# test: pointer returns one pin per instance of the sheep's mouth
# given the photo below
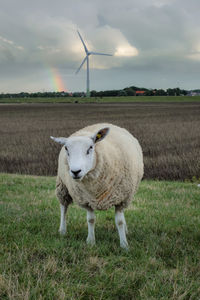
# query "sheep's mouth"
(77, 177)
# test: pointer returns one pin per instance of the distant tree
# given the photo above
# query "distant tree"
(134, 88)
(184, 92)
(129, 91)
(149, 93)
(93, 93)
(122, 93)
(177, 92)
(171, 92)
(160, 92)
(78, 94)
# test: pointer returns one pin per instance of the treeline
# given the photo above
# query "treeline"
(35, 95)
(136, 91)
(129, 91)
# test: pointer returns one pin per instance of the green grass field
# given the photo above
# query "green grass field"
(36, 263)
(103, 100)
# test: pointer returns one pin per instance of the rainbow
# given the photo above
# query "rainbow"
(56, 81)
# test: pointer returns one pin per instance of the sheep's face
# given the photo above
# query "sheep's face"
(80, 156)
(80, 152)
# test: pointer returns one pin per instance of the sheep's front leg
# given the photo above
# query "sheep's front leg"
(122, 228)
(62, 228)
(65, 199)
(91, 224)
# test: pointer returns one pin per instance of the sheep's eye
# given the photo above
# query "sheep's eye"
(88, 151)
(67, 150)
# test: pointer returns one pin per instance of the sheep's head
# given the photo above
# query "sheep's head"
(80, 152)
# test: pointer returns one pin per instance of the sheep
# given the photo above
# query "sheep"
(99, 166)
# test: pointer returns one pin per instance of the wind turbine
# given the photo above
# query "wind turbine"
(88, 53)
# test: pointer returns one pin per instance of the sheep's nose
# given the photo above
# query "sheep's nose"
(75, 173)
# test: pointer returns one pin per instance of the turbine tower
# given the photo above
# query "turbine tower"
(88, 53)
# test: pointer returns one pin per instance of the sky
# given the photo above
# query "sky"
(154, 43)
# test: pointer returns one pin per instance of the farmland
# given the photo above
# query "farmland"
(168, 132)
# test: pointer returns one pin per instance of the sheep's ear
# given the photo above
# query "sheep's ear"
(100, 135)
(60, 140)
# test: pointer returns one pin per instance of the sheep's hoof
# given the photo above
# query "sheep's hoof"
(90, 241)
(62, 232)
(124, 245)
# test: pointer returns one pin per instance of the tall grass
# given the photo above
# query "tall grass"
(168, 132)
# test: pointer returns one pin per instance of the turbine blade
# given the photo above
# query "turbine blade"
(81, 64)
(96, 53)
(84, 45)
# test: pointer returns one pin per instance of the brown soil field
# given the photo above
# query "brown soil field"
(169, 134)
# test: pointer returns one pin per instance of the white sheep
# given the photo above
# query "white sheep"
(97, 173)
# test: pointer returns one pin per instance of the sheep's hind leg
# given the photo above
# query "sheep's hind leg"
(122, 227)
(91, 224)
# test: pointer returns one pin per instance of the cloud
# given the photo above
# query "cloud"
(126, 51)
(9, 51)
(6, 41)
(160, 3)
(11, 43)
(194, 53)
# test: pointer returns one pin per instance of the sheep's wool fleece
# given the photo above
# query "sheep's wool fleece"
(116, 175)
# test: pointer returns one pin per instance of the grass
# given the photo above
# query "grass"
(168, 133)
(36, 263)
(101, 100)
